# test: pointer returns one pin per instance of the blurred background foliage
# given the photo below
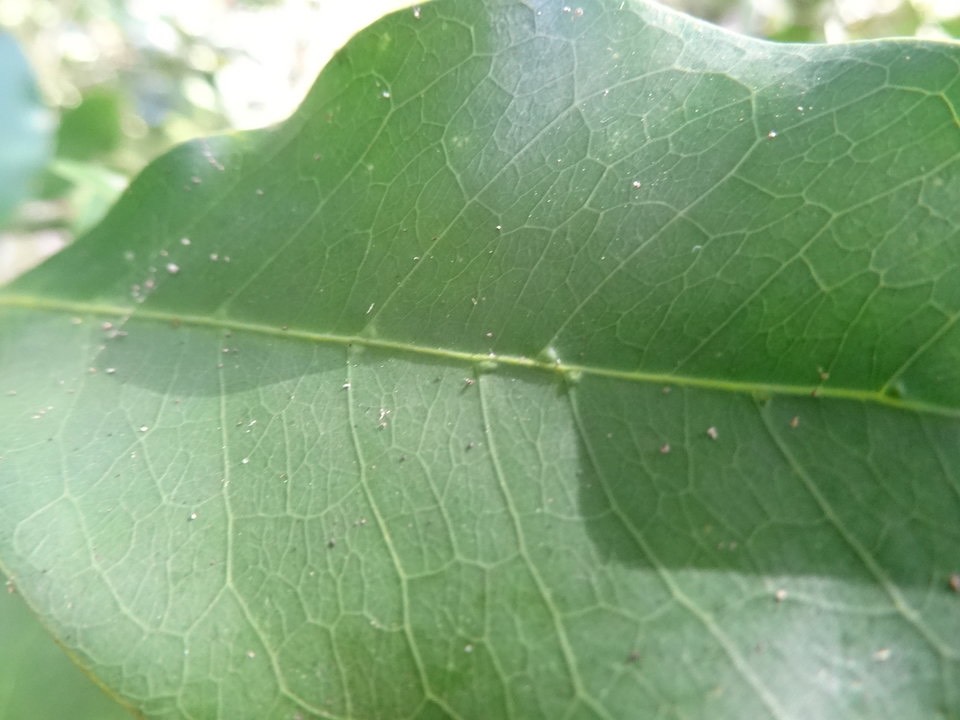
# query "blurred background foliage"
(116, 82)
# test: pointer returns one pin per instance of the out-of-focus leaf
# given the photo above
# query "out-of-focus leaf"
(92, 129)
(93, 190)
(37, 680)
(25, 127)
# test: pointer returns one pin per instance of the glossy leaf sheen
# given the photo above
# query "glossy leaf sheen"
(550, 362)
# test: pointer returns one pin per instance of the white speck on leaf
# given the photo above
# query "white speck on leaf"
(780, 595)
(772, 134)
(712, 433)
(173, 268)
(636, 184)
(882, 655)
(184, 241)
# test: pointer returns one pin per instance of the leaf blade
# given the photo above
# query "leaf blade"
(434, 367)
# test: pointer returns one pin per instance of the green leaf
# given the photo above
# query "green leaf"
(25, 127)
(549, 362)
(36, 678)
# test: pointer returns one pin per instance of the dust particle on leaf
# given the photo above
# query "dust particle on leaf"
(712, 433)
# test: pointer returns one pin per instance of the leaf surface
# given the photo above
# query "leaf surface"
(550, 361)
